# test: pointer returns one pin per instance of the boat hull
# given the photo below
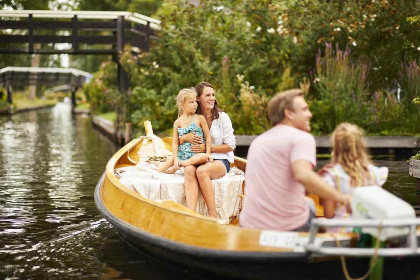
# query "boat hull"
(246, 265)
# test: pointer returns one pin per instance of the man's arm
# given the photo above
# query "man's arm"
(313, 183)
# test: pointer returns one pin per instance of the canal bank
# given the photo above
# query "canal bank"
(378, 145)
(11, 110)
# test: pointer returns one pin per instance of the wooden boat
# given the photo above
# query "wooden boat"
(181, 237)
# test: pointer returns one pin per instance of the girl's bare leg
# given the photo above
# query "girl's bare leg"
(166, 165)
(191, 187)
(206, 173)
(195, 160)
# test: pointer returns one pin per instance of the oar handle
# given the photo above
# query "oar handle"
(148, 128)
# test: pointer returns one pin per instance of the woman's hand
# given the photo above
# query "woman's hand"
(198, 148)
(191, 137)
(209, 158)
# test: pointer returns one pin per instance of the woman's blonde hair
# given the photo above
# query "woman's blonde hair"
(183, 94)
(350, 152)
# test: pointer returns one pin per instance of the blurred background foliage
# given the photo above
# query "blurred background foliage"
(358, 60)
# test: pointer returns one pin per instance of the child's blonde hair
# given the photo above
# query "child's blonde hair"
(351, 153)
(183, 94)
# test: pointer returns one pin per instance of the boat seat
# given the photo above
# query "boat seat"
(149, 183)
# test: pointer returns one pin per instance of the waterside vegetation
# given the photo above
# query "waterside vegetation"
(357, 60)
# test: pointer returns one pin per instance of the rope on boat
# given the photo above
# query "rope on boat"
(372, 263)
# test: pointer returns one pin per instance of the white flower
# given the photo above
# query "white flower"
(251, 87)
(354, 43)
(337, 29)
(280, 22)
(258, 29)
(317, 80)
(418, 48)
(295, 40)
(155, 65)
(240, 77)
(248, 24)
(271, 31)
(219, 8)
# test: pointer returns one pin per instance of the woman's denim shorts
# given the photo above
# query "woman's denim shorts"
(226, 163)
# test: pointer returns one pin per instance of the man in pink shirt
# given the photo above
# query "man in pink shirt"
(280, 169)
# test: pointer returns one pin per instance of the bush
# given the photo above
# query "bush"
(101, 91)
(272, 46)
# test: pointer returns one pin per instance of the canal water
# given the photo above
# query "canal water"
(50, 162)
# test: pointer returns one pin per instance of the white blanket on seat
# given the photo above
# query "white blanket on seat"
(146, 180)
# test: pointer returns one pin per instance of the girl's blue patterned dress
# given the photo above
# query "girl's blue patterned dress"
(184, 150)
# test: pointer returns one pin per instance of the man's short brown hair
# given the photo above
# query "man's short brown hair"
(281, 102)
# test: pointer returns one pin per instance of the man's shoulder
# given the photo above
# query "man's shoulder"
(289, 132)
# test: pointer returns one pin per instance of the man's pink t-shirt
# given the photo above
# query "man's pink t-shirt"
(274, 199)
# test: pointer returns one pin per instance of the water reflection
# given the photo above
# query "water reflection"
(46, 193)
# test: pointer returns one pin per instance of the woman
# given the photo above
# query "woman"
(223, 144)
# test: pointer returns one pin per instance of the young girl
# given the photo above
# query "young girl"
(351, 168)
(188, 121)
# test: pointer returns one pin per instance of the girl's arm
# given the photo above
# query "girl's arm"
(175, 145)
(207, 135)
(329, 205)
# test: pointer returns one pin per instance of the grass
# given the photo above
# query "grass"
(111, 116)
(83, 106)
(20, 101)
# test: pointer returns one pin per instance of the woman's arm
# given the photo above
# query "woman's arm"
(191, 137)
(221, 149)
(228, 138)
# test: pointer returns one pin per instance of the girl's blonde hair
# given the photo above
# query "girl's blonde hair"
(183, 94)
(350, 152)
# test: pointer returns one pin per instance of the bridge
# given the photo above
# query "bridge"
(83, 32)
(71, 78)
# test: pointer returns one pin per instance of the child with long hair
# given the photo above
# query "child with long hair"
(188, 121)
(351, 168)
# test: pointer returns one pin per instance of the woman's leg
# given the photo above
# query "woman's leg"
(206, 173)
(191, 186)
